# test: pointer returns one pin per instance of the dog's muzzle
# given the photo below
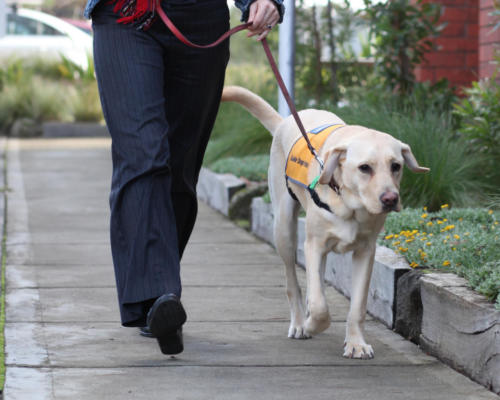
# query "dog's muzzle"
(389, 201)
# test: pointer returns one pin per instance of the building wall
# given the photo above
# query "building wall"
(489, 40)
(457, 54)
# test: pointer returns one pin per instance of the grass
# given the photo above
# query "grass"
(463, 241)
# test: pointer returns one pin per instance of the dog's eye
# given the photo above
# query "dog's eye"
(365, 168)
(395, 167)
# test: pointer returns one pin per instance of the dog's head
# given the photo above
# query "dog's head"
(368, 168)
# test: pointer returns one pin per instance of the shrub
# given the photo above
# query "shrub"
(463, 241)
(453, 175)
(479, 124)
(86, 105)
(34, 99)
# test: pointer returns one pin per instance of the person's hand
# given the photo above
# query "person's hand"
(263, 15)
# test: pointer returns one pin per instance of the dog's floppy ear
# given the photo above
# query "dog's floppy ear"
(410, 159)
(332, 158)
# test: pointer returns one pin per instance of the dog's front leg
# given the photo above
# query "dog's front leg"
(362, 266)
(318, 318)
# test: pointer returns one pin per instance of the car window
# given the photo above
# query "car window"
(18, 25)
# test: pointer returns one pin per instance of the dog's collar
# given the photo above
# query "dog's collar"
(333, 185)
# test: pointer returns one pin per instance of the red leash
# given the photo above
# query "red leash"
(178, 34)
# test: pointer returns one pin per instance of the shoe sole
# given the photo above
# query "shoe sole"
(165, 321)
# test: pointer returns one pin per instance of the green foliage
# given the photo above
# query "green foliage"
(253, 168)
(236, 133)
(463, 241)
(402, 32)
(31, 98)
(479, 124)
(85, 104)
(46, 90)
(453, 176)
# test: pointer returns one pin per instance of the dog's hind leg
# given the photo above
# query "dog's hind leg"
(285, 237)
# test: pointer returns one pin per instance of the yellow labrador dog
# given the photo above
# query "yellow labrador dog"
(345, 210)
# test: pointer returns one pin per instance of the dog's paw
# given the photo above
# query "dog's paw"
(297, 332)
(355, 350)
(317, 325)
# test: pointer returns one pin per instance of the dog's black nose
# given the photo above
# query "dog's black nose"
(389, 200)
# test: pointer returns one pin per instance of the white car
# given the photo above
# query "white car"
(31, 33)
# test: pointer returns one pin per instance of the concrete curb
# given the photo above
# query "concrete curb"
(216, 190)
(461, 327)
(73, 129)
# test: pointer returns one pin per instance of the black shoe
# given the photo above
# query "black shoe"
(165, 320)
(144, 331)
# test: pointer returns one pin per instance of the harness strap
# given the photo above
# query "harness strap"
(314, 196)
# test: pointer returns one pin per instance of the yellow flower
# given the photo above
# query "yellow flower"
(445, 241)
(456, 237)
(429, 223)
(403, 249)
(424, 215)
(495, 223)
(396, 236)
(446, 263)
(460, 219)
(397, 242)
(431, 234)
(425, 208)
(413, 264)
(409, 240)
(445, 219)
(466, 233)
(445, 206)
(448, 237)
(490, 212)
(449, 227)
(428, 244)
(389, 236)
(439, 222)
(454, 249)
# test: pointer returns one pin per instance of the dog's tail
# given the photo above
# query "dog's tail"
(255, 104)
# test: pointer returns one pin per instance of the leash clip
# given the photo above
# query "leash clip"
(319, 160)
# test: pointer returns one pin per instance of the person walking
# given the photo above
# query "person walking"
(160, 99)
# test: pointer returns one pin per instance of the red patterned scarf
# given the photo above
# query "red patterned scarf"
(138, 12)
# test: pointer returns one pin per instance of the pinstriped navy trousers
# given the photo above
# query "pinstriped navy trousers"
(159, 99)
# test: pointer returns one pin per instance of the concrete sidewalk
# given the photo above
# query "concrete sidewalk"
(64, 339)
